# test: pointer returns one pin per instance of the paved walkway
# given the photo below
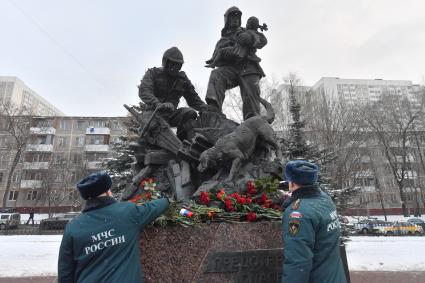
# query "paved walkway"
(356, 277)
(387, 276)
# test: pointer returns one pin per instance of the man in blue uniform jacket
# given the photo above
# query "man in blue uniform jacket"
(102, 244)
(310, 229)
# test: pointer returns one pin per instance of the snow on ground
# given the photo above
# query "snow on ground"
(29, 255)
(23, 256)
(386, 253)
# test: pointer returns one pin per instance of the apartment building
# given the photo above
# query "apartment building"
(363, 90)
(378, 188)
(15, 92)
(60, 151)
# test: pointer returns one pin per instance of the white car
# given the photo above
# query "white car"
(9, 220)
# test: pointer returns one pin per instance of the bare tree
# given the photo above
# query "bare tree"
(232, 105)
(334, 129)
(17, 125)
(55, 184)
(392, 124)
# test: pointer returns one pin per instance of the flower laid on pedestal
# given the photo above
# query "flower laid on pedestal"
(260, 201)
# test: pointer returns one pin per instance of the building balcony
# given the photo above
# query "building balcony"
(40, 147)
(92, 165)
(96, 147)
(98, 131)
(31, 184)
(42, 131)
(36, 165)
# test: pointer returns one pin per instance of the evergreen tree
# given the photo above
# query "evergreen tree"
(119, 166)
(296, 145)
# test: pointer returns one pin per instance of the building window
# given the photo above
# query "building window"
(63, 124)
(40, 157)
(1, 177)
(4, 142)
(76, 158)
(4, 160)
(79, 141)
(97, 124)
(116, 126)
(13, 195)
(33, 175)
(45, 123)
(61, 141)
(15, 177)
(81, 125)
(58, 159)
(32, 195)
(93, 139)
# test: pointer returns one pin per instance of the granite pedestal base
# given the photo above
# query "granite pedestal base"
(218, 252)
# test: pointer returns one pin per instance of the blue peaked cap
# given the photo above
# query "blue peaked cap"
(94, 184)
(301, 172)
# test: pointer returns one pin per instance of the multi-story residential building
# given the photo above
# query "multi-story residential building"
(14, 92)
(363, 90)
(378, 188)
(60, 151)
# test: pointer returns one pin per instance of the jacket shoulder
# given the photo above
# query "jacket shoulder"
(153, 71)
(183, 76)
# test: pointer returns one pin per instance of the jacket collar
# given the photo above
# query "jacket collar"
(307, 191)
(98, 202)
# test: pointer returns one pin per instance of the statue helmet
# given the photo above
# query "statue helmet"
(172, 54)
(231, 10)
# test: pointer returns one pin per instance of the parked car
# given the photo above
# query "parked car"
(57, 222)
(402, 228)
(9, 220)
(417, 221)
(370, 226)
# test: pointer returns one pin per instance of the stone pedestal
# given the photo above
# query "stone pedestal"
(219, 252)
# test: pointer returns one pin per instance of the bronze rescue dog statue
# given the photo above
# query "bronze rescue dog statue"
(239, 145)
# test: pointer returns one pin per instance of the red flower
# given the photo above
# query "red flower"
(204, 198)
(250, 188)
(266, 201)
(149, 195)
(228, 204)
(235, 195)
(142, 184)
(251, 216)
(135, 198)
(264, 198)
(248, 200)
(221, 194)
(241, 200)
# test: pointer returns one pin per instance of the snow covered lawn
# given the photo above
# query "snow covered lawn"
(29, 255)
(386, 253)
(22, 256)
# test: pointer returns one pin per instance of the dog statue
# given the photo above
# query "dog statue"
(239, 145)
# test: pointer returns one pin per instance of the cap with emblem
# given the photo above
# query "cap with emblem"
(94, 184)
(301, 172)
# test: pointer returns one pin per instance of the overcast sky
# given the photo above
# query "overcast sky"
(87, 56)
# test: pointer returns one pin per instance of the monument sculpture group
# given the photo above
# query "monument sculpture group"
(207, 150)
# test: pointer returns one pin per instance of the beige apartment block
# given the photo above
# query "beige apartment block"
(60, 152)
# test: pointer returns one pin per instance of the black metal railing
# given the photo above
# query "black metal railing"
(31, 228)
